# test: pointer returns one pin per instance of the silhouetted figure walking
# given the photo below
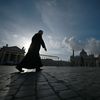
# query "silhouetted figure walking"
(32, 59)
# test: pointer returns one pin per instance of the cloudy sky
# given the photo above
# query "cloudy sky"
(67, 25)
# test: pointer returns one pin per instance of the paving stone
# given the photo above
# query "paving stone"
(43, 86)
(76, 98)
(8, 98)
(13, 87)
(67, 94)
(86, 95)
(3, 93)
(42, 83)
(11, 92)
(2, 97)
(26, 98)
(51, 97)
(27, 88)
(41, 80)
(60, 87)
(93, 92)
(52, 80)
(25, 93)
(98, 98)
(45, 93)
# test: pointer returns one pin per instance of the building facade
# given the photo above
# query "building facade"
(11, 55)
(83, 59)
(98, 61)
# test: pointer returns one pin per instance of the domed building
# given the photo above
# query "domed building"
(83, 53)
(83, 59)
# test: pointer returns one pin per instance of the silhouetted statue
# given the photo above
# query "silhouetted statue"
(32, 59)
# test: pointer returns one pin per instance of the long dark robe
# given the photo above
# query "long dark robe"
(32, 58)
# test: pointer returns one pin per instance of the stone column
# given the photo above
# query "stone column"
(9, 55)
(3, 57)
(16, 59)
(20, 57)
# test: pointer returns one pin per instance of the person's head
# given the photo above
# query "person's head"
(40, 32)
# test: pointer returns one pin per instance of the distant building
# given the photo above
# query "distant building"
(11, 55)
(50, 62)
(83, 59)
(98, 61)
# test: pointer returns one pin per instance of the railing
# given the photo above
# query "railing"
(43, 56)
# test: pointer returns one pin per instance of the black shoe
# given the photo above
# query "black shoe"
(19, 69)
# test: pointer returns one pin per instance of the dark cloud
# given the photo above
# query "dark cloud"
(92, 45)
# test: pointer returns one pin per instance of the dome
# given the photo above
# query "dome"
(83, 53)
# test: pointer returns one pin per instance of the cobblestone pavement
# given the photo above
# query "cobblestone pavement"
(52, 83)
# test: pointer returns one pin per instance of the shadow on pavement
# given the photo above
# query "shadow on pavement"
(23, 86)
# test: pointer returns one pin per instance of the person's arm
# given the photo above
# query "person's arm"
(43, 45)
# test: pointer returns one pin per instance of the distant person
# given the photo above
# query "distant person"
(32, 59)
